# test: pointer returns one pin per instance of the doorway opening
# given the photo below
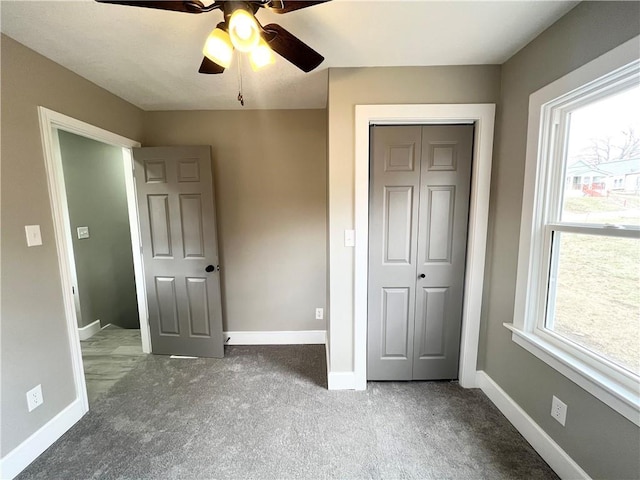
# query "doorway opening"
(82, 272)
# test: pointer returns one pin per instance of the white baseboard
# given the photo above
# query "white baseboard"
(25, 453)
(302, 337)
(549, 450)
(328, 354)
(341, 381)
(89, 331)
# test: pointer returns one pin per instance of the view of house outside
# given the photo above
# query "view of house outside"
(597, 296)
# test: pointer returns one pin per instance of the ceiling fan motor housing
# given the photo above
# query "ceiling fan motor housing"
(232, 6)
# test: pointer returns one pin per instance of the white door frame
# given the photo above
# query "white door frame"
(482, 116)
(50, 123)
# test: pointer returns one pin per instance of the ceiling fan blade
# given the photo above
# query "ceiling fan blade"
(210, 67)
(188, 6)
(286, 6)
(291, 48)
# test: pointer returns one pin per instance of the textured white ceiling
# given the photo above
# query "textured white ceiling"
(151, 57)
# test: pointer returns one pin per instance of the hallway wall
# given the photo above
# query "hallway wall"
(97, 199)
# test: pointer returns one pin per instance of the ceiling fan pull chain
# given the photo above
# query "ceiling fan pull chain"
(240, 96)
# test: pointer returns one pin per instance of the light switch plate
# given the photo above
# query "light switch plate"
(83, 232)
(349, 238)
(34, 238)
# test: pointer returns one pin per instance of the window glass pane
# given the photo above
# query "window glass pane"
(594, 295)
(602, 175)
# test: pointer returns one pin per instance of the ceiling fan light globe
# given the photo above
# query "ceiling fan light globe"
(261, 56)
(218, 48)
(244, 30)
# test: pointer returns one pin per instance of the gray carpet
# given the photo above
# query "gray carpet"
(264, 412)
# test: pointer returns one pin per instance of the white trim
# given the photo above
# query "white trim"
(136, 248)
(292, 337)
(630, 231)
(57, 198)
(548, 449)
(50, 123)
(89, 331)
(326, 351)
(482, 115)
(338, 380)
(341, 380)
(25, 453)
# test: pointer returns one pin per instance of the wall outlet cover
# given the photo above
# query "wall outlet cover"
(559, 410)
(34, 397)
(319, 313)
(83, 232)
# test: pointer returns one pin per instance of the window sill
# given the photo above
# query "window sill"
(622, 399)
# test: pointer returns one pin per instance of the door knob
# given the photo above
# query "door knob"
(209, 268)
(422, 275)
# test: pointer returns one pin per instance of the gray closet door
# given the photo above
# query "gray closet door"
(442, 243)
(419, 202)
(174, 188)
(394, 198)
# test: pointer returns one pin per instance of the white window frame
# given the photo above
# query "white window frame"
(549, 108)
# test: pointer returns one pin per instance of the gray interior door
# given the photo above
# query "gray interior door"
(174, 188)
(419, 206)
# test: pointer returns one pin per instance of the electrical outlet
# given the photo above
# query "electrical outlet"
(34, 397)
(559, 410)
(319, 313)
(83, 232)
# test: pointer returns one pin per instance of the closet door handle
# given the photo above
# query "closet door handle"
(422, 275)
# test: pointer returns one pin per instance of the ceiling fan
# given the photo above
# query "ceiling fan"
(241, 31)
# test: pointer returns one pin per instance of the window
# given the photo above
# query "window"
(578, 284)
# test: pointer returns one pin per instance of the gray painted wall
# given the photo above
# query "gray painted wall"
(604, 444)
(97, 198)
(269, 172)
(361, 86)
(34, 346)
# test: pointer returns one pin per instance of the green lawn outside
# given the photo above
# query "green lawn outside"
(598, 288)
(616, 208)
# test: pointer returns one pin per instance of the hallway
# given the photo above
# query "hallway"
(107, 357)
